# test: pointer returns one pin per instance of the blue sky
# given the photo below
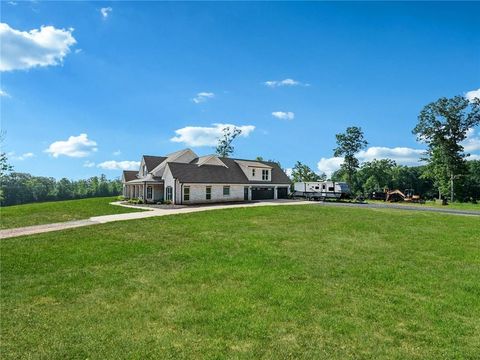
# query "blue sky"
(88, 87)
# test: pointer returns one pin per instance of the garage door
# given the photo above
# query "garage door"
(282, 192)
(262, 193)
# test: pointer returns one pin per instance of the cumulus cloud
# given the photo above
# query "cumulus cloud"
(473, 157)
(119, 165)
(76, 146)
(401, 155)
(4, 93)
(21, 157)
(206, 135)
(284, 82)
(106, 11)
(470, 95)
(202, 97)
(38, 47)
(283, 115)
(88, 164)
(472, 142)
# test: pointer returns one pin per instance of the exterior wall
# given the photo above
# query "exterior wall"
(258, 173)
(168, 180)
(198, 193)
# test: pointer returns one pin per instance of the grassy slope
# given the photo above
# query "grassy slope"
(273, 282)
(57, 211)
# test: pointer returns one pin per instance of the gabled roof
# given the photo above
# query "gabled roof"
(129, 175)
(231, 174)
(152, 161)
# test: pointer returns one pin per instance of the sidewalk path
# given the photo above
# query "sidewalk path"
(153, 212)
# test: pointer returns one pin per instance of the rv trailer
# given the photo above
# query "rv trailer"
(322, 190)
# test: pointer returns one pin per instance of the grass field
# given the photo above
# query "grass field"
(58, 211)
(268, 282)
(435, 204)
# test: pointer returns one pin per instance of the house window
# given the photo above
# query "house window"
(253, 172)
(186, 193)
(265, 175)
(169, 193)
(149, 192)
(208, 192)
(226, 191)
(144, 170)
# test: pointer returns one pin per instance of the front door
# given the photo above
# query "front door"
(245, 193)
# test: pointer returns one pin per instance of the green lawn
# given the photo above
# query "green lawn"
(268, 282)
(57, 211)
(435, 204)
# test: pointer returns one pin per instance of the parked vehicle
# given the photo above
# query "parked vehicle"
(321, 190)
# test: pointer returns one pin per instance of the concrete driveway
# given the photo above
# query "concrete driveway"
(153, 212)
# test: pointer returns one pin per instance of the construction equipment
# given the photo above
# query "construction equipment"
(408, 196)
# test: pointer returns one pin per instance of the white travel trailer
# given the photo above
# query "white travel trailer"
(321, 190)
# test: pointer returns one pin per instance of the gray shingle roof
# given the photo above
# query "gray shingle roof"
(129, 175)
(152, 161)
(192, 173)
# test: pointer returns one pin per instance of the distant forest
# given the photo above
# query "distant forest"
(21, 188)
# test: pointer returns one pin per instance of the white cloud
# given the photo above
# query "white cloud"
(285, 82)
(401, 155)
(205, 135)
(4, 93)
(105, 11)
(24, 156)
(28, 49)
(76, 146)
(88, 164)
(289, 172)
(116, 153)
(473, 157)
(282, 115)
(119, 165)
(202, 97)
(472, 142)
(329, 165)
(470, 95)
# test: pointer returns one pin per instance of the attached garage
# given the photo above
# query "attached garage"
(282, 192)
(262, 193)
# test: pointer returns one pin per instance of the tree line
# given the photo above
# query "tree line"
(21, 188)
(442, 126)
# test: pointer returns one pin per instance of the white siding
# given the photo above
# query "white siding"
(198, 193)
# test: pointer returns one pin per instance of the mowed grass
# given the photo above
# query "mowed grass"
(299, 282)
(58, 211)
(435, 204)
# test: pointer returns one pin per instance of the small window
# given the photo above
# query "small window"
(331, 188)
(149, 192)
(253, 172)
(186, 193)
(168, 193)
(265, 175)
(323, 187)
(226, 191)
(317, 187)
(208, 193)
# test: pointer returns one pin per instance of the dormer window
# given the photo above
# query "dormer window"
(253, 172)
(265, 175)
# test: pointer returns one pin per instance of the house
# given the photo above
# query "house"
(185, 178)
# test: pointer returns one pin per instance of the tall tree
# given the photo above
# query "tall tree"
(302, 173)
(225, 147)
(348, 144)
(443, 125)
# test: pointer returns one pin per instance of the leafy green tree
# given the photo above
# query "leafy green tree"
(348, 144)
(302, 173)
(443, 125)
(225, 147)
(375, 175)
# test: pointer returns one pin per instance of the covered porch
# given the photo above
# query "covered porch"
(148, 189)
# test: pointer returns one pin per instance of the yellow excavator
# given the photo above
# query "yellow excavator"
(408, 196)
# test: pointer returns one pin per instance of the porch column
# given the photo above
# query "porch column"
(275, 195)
